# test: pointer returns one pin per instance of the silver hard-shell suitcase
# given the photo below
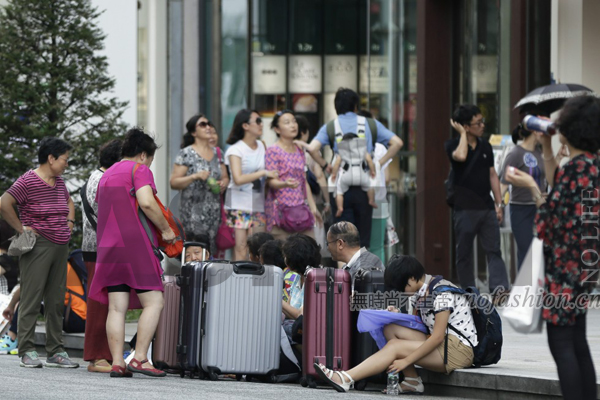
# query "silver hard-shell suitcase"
(241, 319)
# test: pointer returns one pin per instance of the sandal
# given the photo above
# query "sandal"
(415, 389)
(101, 365)
(138, 366)
(418, 388)
(328, 377)
(119, 372)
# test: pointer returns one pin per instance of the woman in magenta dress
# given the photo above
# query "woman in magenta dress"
(291, 187)
(128, 273)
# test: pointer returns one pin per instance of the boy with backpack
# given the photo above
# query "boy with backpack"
(457, 340)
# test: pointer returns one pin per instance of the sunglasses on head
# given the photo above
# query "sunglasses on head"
(204, 124)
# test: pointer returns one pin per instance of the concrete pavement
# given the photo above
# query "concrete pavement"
(53, 383)
(526, 371)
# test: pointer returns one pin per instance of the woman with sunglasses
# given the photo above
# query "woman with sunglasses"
(245, 200)
(197, 173)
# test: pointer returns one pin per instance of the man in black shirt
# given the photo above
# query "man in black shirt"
(475, 212)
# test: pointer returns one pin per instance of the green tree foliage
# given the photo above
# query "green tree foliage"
(54, 82)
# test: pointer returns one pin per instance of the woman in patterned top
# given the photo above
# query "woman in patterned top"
(290, 188)
(200, 175)
(567, 222)
(408, 347)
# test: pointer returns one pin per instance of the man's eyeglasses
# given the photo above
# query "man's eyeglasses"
(334, 240)
(257, 120)
(64, 159)
(478, 123)
(204, 124)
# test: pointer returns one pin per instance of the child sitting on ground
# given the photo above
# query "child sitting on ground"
(354, 161)
(271, 254)
(254, 242)
(9, 342)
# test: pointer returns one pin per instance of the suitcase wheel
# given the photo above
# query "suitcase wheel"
(303, 382)
(312, 383)
(212, 376)
(238, 377)
(182, 373)
(360, 385)
(271, 378)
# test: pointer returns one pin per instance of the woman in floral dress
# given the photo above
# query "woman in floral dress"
(567, 222)
(198, 174)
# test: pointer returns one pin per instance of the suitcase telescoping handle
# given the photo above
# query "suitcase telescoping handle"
(191, 244)
(248, 268)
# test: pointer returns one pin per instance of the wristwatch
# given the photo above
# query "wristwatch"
(500, 205)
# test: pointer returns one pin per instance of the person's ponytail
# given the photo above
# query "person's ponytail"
(188, 140)
(190, 126)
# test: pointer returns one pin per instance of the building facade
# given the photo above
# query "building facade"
(411, 61)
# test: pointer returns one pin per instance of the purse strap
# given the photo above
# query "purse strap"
(87, 208)
(142, 216)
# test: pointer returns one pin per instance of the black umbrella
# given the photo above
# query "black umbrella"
(550, 98)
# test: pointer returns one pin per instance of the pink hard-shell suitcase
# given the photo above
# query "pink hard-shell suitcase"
(326, 326)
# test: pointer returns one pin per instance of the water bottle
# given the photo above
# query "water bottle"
(532, 123)
(392, 383)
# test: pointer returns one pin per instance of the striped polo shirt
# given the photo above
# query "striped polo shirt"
(43, 207)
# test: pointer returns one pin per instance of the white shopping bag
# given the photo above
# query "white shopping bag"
(523, 310)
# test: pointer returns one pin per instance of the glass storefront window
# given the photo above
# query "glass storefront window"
(479, 58)
(302, 51)
(234, 67)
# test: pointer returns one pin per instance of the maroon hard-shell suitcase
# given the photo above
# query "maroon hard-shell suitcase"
(326, 326)
(164, 350)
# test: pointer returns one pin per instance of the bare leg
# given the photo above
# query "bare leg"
(395, 349)
(393, 331)
(152, 303)
(240, 250)
(371, 197)
(339, 202)
(115, 325)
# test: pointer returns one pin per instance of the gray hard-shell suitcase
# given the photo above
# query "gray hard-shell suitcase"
(241, 319)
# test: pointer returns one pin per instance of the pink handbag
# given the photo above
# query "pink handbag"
(225, 234)
(225, 238)
(295, 218)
